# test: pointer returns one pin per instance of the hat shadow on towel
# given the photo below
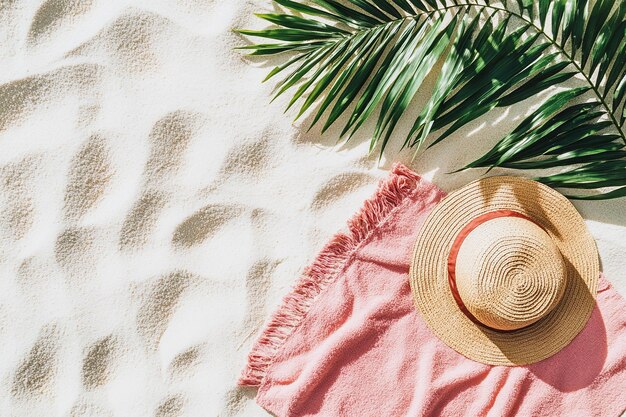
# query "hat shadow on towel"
(578, 364)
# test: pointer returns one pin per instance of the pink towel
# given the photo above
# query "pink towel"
(348, 341)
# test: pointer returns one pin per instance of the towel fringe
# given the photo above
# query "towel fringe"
(323, 271)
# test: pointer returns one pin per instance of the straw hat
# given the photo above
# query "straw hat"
(505, 271)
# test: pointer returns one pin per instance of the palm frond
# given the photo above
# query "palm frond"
(361, 59)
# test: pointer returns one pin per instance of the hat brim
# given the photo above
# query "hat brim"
(429, 274)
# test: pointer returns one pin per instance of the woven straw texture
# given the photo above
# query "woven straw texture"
(547, 309)
(509, 273)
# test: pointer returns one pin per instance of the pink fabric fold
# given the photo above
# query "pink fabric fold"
(348, 341)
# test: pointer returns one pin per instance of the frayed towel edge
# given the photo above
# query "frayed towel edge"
(391, 192)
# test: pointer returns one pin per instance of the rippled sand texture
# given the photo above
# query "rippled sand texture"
(154, 207)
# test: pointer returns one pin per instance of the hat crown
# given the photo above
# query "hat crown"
(509, 273)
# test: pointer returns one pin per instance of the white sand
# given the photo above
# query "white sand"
(154, 207)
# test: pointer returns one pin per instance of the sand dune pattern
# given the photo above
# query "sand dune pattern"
(154, 207)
